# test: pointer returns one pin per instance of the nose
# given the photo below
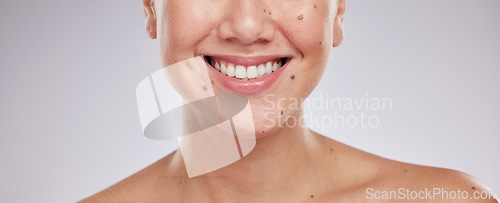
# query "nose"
(246, 22)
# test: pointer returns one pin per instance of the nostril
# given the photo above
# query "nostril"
(246, 28)
(262, 40)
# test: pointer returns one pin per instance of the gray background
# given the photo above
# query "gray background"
(68, 71)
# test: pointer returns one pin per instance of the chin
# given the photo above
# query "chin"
(265, 125)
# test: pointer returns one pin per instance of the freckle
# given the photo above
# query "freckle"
(300, 17)
(473, 187)
(312, 196)
(405, 170)
(336, 159)
(331, 149)
(269, 13)
(205, 88)
(293, 76)
(262, 131)
(281, 112)
(320, 42)
(264, 10)
(314, 6)
(212, 82)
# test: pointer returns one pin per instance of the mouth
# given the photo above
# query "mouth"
(246, 69)
(247, 75)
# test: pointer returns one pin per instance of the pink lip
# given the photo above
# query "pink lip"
(248, 87)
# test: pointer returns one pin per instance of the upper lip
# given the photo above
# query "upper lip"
(248, 60)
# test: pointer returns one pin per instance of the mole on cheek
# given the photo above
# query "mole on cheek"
(300, 17)
(292, 76)
(314, 6)
(281, 112)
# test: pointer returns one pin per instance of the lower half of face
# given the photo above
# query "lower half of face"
(272, 51)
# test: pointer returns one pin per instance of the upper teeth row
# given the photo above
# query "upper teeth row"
(242, 72)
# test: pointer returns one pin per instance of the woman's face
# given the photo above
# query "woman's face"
(272, 51)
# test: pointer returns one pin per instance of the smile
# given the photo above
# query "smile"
(246, 70)
(247, 75)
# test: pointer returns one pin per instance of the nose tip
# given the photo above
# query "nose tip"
(244, 24)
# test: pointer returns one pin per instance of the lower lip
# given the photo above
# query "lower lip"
(247, 87)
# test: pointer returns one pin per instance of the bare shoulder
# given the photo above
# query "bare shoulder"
(432, 183)
(139, 187)
(372, 177)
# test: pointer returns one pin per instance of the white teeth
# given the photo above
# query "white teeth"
(223, 69)
(269, 67)
(252, 72)
(245, 73)
(275, 67)
(240, 72)
(261, 70)
(230, 70)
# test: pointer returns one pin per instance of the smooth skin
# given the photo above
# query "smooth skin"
(290, 163)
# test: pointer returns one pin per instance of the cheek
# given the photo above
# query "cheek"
(308, 25)
(181, 25)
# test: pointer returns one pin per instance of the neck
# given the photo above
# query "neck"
(278, 164)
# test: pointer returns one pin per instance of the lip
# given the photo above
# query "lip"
(248, 87)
